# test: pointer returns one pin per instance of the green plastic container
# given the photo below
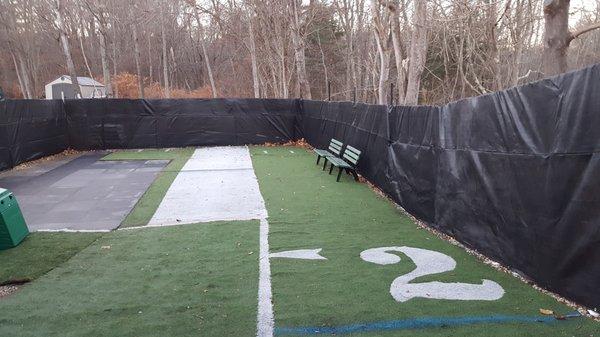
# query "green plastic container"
(12, 224)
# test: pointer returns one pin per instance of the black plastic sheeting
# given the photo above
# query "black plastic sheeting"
(514, 174)
(123, 123)
(30, 129)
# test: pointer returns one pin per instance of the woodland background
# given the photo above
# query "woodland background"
(400, 51)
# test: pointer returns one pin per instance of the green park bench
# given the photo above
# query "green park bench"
(347, 162)
(335, 148)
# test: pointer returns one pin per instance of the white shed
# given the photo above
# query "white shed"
(61, 88)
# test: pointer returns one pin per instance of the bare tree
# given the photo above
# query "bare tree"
(165, 58)
(299, 48)
(64, 40)
(418, 53)
(283, 48)
(383, 41)
(557, 36)
(213, 87)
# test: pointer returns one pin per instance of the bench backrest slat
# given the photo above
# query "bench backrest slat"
(351, 154)
(335, 146)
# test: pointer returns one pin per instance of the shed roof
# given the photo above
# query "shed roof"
(83, 81)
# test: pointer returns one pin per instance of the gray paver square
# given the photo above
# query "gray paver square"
(84, 194)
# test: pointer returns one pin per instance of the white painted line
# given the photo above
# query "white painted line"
(265, 317)
(66, 230)
(215, 184)
(301, 254)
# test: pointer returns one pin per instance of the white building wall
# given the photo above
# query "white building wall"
(88, 92)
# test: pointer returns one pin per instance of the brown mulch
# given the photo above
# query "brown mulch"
(297, 143)
(65, 153)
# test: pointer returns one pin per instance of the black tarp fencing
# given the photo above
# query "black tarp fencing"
(30, 129)
(514, 174)
(125, 123)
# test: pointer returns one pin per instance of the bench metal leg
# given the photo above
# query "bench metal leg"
(330, 168)
(324, 163)
(318, 159)
(339, 174)
(355, 175)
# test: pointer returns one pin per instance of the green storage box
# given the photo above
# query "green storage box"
(12, 224)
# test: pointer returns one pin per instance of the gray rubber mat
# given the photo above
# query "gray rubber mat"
(83, 194)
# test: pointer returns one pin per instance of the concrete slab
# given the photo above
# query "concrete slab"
(216, 183)
(84, 194)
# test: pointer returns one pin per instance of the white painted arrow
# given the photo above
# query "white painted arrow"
(303, 254)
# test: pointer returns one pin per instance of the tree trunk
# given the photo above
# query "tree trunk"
(19, 77)
(213, 88)
(418, 53)
(114, 58)
(85, 59)
(26, 79)
(383, 41)
(105, 66)
(299, 51)
(253, 59)
(65, 47)
(136, 54)
(398, 53)
(165, 59)
(556, 36)
(150, 68)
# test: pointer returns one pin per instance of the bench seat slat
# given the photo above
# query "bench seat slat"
(337, 162)
(322, 153)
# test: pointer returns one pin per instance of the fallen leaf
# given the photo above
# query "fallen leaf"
(546, 312)
(105, 247)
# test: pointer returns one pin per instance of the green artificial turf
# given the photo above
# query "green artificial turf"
(193, 280)
(148, 203)
(308, 209)
(41, 252)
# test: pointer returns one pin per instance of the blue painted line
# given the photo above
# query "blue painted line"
(413, 323)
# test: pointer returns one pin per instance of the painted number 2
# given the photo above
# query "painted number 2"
(430, 262)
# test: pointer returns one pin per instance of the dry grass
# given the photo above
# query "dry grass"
(126, 86)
